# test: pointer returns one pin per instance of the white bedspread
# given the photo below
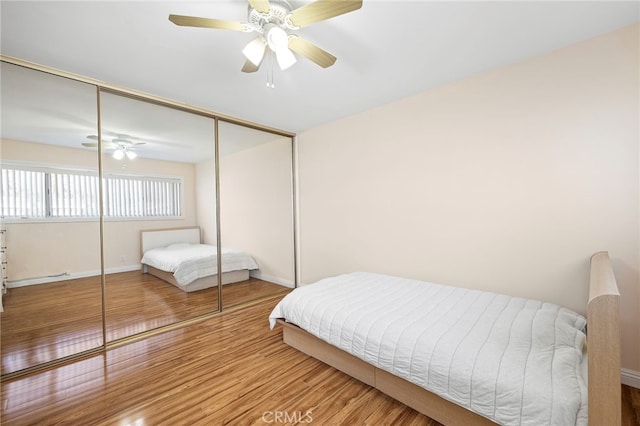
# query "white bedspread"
(512, 360)
(188, 262)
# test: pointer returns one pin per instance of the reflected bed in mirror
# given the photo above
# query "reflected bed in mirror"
(178, 257)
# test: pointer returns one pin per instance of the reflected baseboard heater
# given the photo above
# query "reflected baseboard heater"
(68, 276)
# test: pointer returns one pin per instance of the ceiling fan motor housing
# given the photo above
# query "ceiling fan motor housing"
(277, 15)
(273, 27)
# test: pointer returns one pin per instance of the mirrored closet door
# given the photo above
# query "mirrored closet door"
(156, 163)
(49, 204)
(256, 213)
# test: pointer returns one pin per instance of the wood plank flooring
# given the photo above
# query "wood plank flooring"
(230, 369)
(50, 321)
(227, 370)
(630, 406)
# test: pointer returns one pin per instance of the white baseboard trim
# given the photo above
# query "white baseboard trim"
(630, 378)
(70, 276)
(276, 280)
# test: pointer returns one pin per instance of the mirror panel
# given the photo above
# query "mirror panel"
(50, 209)
(256, 210)
(155, 160)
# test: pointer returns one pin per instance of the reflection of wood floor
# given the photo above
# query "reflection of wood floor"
(50, 321)
(229, 369)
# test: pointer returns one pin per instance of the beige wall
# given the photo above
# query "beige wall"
(507, 181)
(40, 249)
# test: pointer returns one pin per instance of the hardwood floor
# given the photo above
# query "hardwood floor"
(230, 369)
(50, 321)
(227, 370)
(41, 323)
(630, 406)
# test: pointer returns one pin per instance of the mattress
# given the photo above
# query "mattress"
(189, 262)
(512, 360)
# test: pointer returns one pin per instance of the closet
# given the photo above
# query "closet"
(75, 283)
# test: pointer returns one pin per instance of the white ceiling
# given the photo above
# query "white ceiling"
(387, 50)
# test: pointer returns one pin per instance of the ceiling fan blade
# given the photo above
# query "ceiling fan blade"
(194, 21)
(311, 52)
(322, 10)
(105, 145)
(250, 67)
(262, 6)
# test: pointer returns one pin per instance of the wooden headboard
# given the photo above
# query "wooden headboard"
(153, 238)
(603, 343)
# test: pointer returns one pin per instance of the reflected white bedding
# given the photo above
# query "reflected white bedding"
(512, 360)
(189, 262)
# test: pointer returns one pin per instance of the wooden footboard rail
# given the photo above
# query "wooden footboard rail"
(603, 348)
(603, 344)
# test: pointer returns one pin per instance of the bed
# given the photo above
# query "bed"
(480, 358)
(178, 257)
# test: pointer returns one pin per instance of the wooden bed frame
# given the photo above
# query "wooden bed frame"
(154, 238)
(603, 350)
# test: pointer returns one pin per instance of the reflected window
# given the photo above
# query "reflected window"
(32, 192)
(23, 194)
(142, 196)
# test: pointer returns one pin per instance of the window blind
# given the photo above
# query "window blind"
(30, 193)
(23, 193)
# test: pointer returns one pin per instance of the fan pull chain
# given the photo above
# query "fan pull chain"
(270, 72)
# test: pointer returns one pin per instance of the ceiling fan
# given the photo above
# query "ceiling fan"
(121, 144)
(275, 21)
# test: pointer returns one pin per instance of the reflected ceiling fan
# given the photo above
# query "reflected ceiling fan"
(275, 21)
(121, 144)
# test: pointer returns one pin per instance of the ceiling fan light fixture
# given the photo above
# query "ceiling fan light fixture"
(276, 37)
(131, 155)
(118, 154)
(285, 58)
(278, 41)
(254, 51)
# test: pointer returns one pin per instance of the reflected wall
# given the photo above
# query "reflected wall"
(256, 207)
(257, 198)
